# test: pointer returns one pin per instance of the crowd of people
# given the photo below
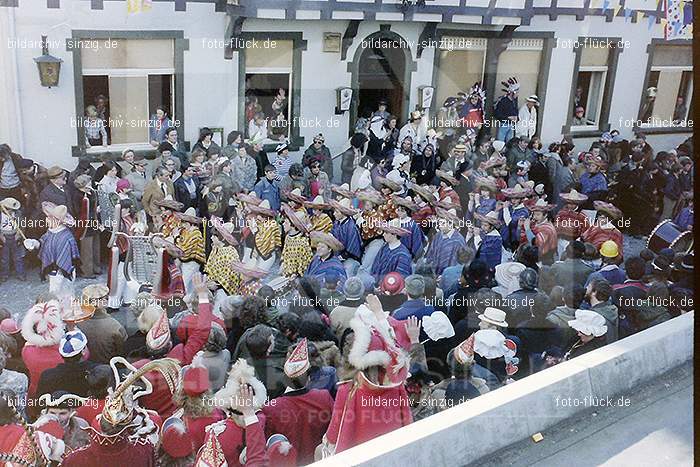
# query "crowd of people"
(294, 313)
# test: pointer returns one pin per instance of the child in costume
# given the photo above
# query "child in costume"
(320, 221)
(325, 263)
(265, 236)
(513, 210)
(296, 252)
(542, 231)
(190, 240)
(483, 201)
(442, 251)
(569, 222)
(415, 240)
(223, 252)
(346, 231)
(487, 240)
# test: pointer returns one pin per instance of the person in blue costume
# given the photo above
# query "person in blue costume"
(346, 231)
(325, 263)
(415, 240)
(442, 251)
(512, 211)
(394, 256)
(487, 240)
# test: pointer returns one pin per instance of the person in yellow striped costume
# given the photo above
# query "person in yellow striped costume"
(223, 253)
(320, 221)
(189, 238)
(296, 253)
(265, 236)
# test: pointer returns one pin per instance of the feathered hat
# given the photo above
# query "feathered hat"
(120, 404)
(42, 324)
(477, 91)
(240, 373)
(510, 85)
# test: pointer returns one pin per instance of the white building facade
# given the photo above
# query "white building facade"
(201, 58)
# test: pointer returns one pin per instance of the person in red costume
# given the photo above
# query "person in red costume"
(302, 415)
(195, 402)
(240, 438)
(124, 434)
(539, 227)
(371, 398)
(570, 222)
(604, 226)
(159, 344)
(42, 330)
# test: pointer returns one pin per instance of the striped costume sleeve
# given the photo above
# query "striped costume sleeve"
(192, 244)
(322, 223)
(268, 237)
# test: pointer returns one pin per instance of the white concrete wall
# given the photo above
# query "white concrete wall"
(469, 431)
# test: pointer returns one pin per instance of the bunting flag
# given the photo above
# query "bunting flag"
(679, 16)
(640, 15)
(651, 21)
(617, 10)
(606, 5)
(138, 6)
(628, 14)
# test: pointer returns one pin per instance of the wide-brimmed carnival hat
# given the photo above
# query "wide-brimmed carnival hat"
(317, 203)
(372, 196)
(247, 271)
(518, 191)
(447, 177)
(574, 197)
(495, 161)
(295, 195)
(327, 239)
(60, 213)
(343, 190)
(262, 209)
(225, 230)
(589, 323)
(491, 218)
(190, 215)
(169, 203)
(487, 183)
(608, 209)
(447, 214)
(344, 206)
(387, 183)
(393, 227)
(406, 202)
(299, 219)
(541, 206)
(447, 204)
(424, 193)
(494, 316)
(249, 198)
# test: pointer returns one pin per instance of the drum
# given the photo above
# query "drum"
(669, 235)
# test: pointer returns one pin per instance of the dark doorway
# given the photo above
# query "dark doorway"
(381, 73)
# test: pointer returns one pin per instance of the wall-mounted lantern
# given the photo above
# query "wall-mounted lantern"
(49, 66)
(343, 98)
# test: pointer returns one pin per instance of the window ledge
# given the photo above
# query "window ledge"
(114, 151)
(661, 130)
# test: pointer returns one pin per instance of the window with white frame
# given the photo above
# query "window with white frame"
(122, 86)
(268, 89)
(668, 95)
(589, 93)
